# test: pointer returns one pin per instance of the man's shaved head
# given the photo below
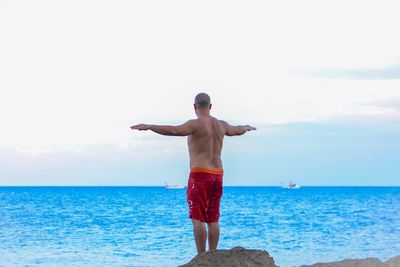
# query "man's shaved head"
(202, 100)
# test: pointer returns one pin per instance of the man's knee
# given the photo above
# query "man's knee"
(197, 222)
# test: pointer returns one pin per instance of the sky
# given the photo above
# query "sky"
(319, 79)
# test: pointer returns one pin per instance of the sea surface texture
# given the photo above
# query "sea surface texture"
(149, 226)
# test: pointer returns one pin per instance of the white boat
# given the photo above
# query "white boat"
(291, 185)
(176, 186)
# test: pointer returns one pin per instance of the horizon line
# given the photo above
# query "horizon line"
(279, 186)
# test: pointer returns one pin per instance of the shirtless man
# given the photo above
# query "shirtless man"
(204, 191)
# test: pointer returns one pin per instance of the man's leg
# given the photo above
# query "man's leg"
(200, 235)
(213, 235)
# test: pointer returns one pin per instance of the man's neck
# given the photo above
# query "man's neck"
(202, 112)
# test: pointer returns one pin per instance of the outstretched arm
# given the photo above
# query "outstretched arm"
(179, 130)
(236, 130)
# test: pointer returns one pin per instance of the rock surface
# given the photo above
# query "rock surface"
(235, 257)
(393, 262)
(368, 262)
(241, 257)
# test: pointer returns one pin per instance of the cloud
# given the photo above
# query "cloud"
(387, 103)
(145, 65)
(337, 150)
(386, 73)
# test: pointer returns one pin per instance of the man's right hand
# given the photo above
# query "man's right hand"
(250, 128)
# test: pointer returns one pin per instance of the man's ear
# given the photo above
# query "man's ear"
(194, 106)
(210, 106)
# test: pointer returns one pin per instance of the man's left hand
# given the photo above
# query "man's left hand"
(141, 127)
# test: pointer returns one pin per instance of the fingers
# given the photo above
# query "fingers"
(250, 128)
(140, 127)
(136, 127)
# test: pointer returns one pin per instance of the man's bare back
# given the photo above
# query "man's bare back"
(205, 143)
(205, 140)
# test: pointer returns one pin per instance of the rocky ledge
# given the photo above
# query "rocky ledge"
(235, 257)
(368, 262)
(239, 257)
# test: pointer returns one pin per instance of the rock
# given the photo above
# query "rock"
(235, 257)
(368, 262)
(393, 262)
(241, 257)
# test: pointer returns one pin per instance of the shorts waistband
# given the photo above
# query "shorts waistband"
(207, 170)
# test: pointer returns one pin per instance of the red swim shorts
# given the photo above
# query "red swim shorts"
(204, 193)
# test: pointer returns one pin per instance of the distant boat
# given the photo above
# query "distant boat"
(291, 185)
(176, 186)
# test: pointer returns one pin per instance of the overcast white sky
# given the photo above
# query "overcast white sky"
(75, 74)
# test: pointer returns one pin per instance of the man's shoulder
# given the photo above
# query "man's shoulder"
(224, 123)
(216, 119)
(205, 121)
(194, 123)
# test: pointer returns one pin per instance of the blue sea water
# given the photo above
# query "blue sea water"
(148, 226)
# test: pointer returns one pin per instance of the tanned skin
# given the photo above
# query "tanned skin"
(205, 139)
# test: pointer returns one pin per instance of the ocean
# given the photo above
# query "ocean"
(149, 226)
